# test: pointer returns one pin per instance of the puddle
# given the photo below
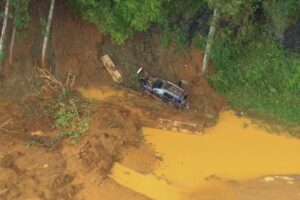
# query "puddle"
(192, 165)
(100, 94)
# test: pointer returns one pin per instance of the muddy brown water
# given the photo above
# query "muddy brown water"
(100, 94)
(235, 149)
(193, 166)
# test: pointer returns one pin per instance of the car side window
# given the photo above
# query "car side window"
(168, 96)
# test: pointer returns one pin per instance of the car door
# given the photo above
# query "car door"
(167, 97)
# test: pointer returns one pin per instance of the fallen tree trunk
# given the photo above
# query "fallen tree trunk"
(112, 69)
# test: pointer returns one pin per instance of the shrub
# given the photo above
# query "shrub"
(69, 122)
(263, 79)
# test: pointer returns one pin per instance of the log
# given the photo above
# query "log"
(180, 126)
(112, 69)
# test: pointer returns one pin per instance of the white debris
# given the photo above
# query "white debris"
(269, 179)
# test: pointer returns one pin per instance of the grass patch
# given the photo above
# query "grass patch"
(261, 79)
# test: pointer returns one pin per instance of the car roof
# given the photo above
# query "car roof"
(173, 88)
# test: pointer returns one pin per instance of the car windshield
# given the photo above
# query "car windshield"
(158, 84)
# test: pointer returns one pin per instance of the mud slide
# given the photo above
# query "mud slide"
(235, 159)
(207, 166)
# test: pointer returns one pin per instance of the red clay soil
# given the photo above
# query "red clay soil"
(29, 169)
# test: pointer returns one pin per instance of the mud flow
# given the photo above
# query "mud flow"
(131, 151)
(195, 167)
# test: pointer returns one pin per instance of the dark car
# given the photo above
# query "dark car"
(165, 90)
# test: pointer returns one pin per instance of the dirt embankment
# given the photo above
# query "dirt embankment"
(33, 167)
(77, 46)
(30, 166)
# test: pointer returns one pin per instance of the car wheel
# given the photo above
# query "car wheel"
(148, 92)
(170, 103)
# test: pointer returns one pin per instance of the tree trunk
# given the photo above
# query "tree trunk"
(13, 35)
(12, 43)
(209, 42)
(3, 33)
(47, 31)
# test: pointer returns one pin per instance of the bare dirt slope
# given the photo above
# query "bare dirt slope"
(33, 165)
(32, 168)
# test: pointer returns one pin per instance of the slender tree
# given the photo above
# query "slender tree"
(20, 21)
(221, 7)
(47, 31)
(3, 32)
(209, 41)
(12, 42)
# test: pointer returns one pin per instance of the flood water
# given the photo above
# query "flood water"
(193, 166)
(200, 166)
(100, 94)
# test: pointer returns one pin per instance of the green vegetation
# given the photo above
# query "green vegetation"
(70, 112)
(263, 79)
(63, 108)
(120, 19)
(21, 15)
(252, 70)
(69, 122)
(132, 80)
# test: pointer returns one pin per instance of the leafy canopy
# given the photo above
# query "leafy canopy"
(118, 18)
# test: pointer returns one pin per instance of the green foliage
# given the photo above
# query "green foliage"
(280, 15)
(78, 129)
(21, 16)
(64, 115)
(230, 7)
(120, 19)
(175, 35)
(177, 18)
(68, 121)
(2, 55)
(251, 68)
(43, 23)
(199, 41)
(262, 79)
(132, 80)
(174, 9)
